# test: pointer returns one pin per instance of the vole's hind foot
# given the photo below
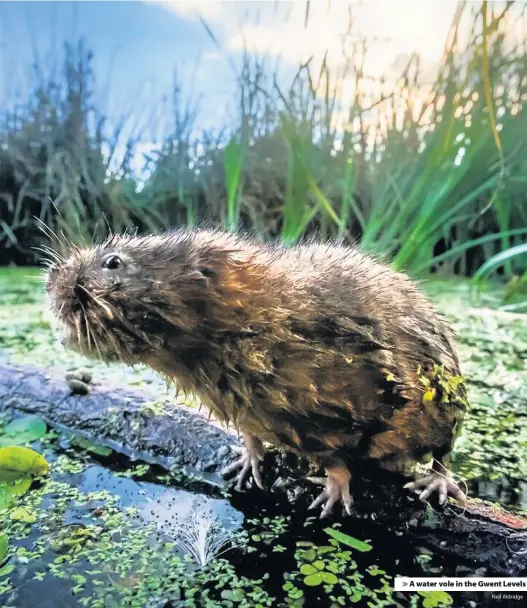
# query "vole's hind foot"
(250, 457)
(443, 485)
(337, 490)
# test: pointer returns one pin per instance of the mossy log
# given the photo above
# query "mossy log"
(118, 418)
(483, 535)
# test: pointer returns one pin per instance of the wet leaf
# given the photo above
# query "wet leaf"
(295, 593)
(95, 448)
(9, 491)
(436, 599)
(429, 396)
(100, 450)
(17, 462)
(333, 567)
(350, 541)
(307, 569)
(234, 596)
(23, 515)
(4, 546)
(309, 555)
(329, 578)
(7, 569)
(23, 430)
(314, 580)
(374, 571)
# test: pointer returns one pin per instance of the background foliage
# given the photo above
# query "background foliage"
(432, 175)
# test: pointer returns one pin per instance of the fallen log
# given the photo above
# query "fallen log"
(119, 418)
(483, 535)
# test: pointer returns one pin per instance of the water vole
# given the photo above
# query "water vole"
(318, 349)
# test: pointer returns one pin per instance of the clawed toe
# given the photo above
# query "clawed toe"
(337, 489)
(247, 465)
(329, 500)
(435, 482)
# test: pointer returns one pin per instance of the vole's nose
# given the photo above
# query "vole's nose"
(80, 297)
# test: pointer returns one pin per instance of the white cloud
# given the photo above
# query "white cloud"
(189, 9)
(392, 28)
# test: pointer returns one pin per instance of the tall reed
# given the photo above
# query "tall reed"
(431, 175)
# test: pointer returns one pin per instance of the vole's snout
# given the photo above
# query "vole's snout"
(80, 297)
(67, 291)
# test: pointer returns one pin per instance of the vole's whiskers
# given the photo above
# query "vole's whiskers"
(90, 334)
(52, 250)
(107, 333)
(115, 345)
(47, 265)
(78, 329)
(50, 254)
(98, 300)
(87, 325)
(97, 348)
(110, 338)
(48, 231)
(84, 318)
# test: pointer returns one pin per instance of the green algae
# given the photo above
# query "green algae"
(492, 447)
(348, 540)
(101, 550)
(442, 387)
(67, 534)
(333, 568)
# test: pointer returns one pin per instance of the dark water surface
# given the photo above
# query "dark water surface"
(103, 539)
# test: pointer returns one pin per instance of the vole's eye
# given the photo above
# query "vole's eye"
(112, 262)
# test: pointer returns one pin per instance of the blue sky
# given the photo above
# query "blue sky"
(136, 47)
(138, 44)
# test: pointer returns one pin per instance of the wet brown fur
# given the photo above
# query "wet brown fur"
(316, 348)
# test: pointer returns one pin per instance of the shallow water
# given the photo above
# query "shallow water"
(101, 539)
(83, 500)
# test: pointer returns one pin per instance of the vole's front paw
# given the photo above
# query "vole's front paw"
(247, 464)
(443, 485)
